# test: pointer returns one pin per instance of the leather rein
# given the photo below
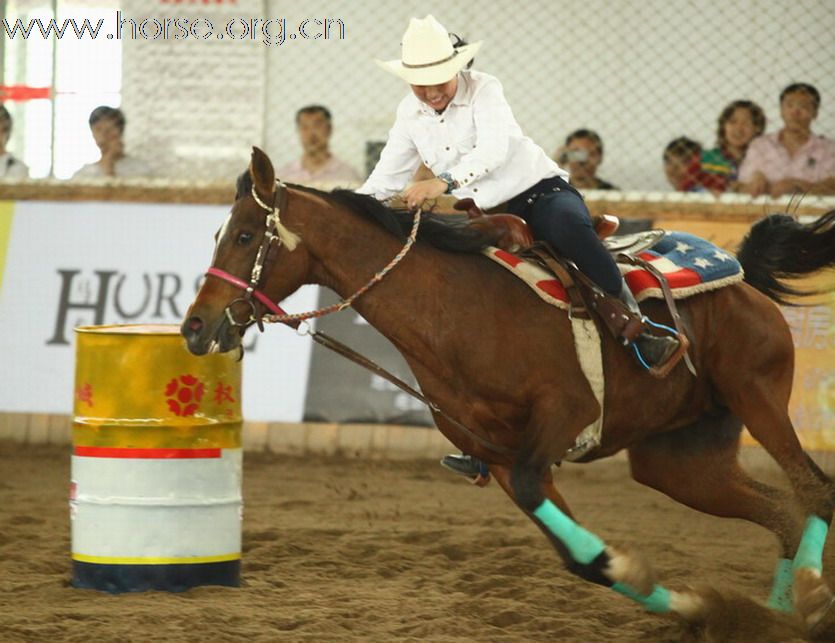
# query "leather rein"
(277, 234)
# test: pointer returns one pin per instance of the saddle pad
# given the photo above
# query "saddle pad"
(691, 265)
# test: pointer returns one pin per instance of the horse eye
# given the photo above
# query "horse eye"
(244, 238)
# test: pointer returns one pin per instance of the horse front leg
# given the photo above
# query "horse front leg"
(584, 553)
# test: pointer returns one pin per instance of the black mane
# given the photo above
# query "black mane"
(446, 232)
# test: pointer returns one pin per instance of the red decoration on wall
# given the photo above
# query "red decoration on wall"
(23, 92)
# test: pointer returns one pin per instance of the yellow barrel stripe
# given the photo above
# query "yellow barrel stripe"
(218, 436)
(141, 560)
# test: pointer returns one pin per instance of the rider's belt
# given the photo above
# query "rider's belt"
(521, 203)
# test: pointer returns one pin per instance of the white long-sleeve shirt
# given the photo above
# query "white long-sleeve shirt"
(476, 139)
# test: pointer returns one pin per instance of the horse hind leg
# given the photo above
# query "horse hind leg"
(697, 465)
(761, 400)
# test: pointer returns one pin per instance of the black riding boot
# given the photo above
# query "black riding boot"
(653, 349)
(466, 465)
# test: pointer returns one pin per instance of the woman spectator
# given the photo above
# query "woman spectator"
(793, 160)
(739, 123)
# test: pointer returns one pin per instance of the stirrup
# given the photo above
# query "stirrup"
(663, 369)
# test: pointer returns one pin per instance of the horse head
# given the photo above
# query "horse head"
(243, 280)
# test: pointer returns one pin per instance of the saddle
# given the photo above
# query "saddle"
(511, 233)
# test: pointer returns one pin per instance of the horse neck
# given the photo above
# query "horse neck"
(348, 250)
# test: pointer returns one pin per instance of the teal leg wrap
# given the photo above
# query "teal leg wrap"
(657, 601)
(810, 551)
(583, 545)
(781, 591)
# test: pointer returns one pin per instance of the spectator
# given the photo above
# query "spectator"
(10, 167)
(582, 153)
(793, 159)
(317, 164)
(682, 164)
(107, 125)
(739, 123)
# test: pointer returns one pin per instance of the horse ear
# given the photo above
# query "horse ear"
(261, 171)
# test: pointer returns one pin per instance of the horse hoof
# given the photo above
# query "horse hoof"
(695, 605)
(813, 599)
(632, 569)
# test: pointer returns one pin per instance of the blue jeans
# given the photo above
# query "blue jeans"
(559, 216)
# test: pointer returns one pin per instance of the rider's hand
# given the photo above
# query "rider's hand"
(417, 193)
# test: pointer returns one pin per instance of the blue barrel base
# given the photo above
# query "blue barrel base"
(117, 579)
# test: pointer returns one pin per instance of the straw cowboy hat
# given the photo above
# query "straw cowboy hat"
(428, 57)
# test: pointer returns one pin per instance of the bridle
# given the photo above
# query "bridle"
(276, 232)
(251, 290)
(279, 235)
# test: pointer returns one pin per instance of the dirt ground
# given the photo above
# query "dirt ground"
(339, 549)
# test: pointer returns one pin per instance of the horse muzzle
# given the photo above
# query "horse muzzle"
(202, 337)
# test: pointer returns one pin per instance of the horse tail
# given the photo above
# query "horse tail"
(779, 248)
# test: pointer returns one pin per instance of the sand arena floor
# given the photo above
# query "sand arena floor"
(339, 549)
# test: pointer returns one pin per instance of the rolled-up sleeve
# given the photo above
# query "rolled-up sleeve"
(493, 121)
(398, 162)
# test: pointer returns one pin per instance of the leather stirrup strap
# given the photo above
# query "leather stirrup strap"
(579, 305)
(678, 322)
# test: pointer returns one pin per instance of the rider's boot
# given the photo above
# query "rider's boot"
(652, 350)
(468, 466)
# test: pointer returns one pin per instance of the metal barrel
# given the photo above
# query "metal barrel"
(155, 495)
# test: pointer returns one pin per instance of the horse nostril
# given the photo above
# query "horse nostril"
(194, 324)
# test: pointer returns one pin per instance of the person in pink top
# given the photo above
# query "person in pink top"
(793, 160)
(317, 164)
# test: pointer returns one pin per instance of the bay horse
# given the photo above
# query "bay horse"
(500, 361)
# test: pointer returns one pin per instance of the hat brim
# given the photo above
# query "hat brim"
(436, 74)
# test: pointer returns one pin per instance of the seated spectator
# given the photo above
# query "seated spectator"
(739, 123)
(793, 160)
(683, 164)
(317, 164)
(10, 167)
(107, 125)
(581, 155)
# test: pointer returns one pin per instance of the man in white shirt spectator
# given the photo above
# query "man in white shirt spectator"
(107, 125)
(10, 167)
(317, 165)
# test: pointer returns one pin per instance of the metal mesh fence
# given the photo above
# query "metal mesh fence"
(638, 72)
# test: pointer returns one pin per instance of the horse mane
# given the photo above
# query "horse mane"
(450, 233)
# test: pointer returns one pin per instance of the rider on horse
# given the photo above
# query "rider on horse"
(458, 123)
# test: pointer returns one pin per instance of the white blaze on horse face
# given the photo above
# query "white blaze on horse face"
(220, 234)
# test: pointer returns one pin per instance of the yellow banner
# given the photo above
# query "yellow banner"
(6, 215)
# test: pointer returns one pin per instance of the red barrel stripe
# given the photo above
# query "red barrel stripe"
(119, 452)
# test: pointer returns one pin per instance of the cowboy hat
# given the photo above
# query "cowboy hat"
(428, 57)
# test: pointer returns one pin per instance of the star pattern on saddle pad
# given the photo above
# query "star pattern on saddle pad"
(690, 264)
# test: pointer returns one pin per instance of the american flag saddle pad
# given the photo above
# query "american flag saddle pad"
(691, 265)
